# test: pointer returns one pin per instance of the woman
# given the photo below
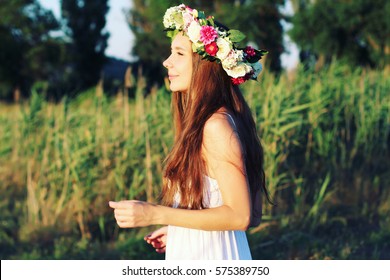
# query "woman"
(214, 176)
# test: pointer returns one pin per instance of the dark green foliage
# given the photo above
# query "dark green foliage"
(355, 31)
(151, 46)
(30, 56)
(27, 52)
(260, 21)
(85, 22)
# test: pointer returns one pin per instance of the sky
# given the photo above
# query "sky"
(121, 37)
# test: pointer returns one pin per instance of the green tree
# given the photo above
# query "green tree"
(85, 21)
(259, 20)
(27, 51)
(355, 31)
(150, 45)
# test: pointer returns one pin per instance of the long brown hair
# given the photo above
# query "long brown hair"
(210, 90)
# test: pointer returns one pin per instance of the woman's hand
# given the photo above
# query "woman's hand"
(158, 239)
(132, 213)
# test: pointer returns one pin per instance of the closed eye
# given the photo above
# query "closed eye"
(178, 50)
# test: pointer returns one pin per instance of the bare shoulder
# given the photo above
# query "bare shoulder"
(220, 139)
(218, 125)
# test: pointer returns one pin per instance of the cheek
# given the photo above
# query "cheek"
(189, 76)
(189, 69)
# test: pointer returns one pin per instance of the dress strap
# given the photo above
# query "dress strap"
(231, 120)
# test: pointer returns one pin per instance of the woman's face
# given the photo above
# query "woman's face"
(179, 64)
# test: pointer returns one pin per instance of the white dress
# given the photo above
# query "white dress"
(194, 244)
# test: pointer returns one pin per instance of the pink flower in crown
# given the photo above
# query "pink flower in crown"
(208, 34)
(249, 51)
(211, 48)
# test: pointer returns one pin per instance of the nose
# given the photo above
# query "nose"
(167, 63)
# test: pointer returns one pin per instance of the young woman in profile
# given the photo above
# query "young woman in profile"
(213, 178)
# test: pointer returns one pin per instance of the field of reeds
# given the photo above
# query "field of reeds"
(326, 137)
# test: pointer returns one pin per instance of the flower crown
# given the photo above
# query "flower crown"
(214, 43)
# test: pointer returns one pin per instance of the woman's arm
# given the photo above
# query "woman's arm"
(223, 155)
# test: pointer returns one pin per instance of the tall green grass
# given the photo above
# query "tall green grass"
(325, 136)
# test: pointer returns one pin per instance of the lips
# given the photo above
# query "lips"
(171, 77)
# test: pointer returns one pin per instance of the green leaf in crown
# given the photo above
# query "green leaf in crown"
(178, 19)
(211, 21)
(201, 15)
(236, 36)
(172, 33)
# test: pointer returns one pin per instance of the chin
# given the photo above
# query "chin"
(174, 88)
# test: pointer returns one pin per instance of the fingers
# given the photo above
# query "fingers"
(158, 239)
(121, 216)
(156, 243)
(118, 204)
(121, 212)
(130, 213)
(112, 204)
(160, 250)
(159, 246)
(124, 204)
(157, 233)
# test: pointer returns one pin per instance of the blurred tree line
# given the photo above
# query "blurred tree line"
(66, 56)
(56, 57)
(357, 32)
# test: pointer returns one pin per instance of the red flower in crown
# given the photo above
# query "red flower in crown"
(249, 51)
(211, 48)
(238, 81)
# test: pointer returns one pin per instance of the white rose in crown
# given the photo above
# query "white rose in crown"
(240, 55)
(224, 48)
(173, 17)
(230, 60)
(238, 71)
(168, 18)
(194, 31)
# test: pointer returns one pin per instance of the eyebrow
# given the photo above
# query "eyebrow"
(178, 48)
